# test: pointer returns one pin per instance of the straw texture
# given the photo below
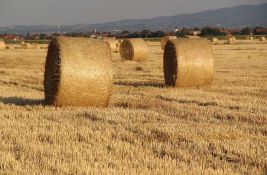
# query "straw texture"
(78, 72)
(165, 39)
(188, 63)
(2, 45)
(118, 45)
(112, 44)
(134, 49)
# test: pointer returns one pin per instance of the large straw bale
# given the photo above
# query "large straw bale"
(165, 39)
(78, 72)
(134, 49)
(188, 63)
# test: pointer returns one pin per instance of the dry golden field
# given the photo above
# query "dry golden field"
(148, 128)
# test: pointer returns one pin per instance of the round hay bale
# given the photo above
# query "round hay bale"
(2, 45)
(112, 43)
(36, 46)
(262, 38)
(192, 36)
(214, 40)
(27, 46)
(134, 49)
(250, 38)
(230, 40)
(165, 39)
(43, 46)
(188, 63)
(10, 47)
(78, 72)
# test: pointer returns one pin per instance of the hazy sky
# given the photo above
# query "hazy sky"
(34, 12)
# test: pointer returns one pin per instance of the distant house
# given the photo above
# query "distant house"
(93, 36)
(105, 34)
(234, 31)
(231, 31)
(195, 32)
(122, 35)
(34, 36)
(170, 33)
(13, 37)
(260, 31)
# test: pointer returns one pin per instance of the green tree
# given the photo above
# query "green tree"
(145, 33)
(182, 32)
(42, 36)
(157, 34)
(208, 31)
(246, 31)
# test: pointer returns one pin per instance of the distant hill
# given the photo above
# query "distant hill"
(240, 16)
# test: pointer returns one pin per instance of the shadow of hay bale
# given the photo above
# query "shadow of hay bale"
(138, 68)
(187, 101)
(19, 101)
(140, 84)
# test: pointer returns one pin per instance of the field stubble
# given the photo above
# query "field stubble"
(147, 128)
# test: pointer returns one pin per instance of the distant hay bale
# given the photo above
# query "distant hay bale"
(78, 72)
(214, 40)
(165, 39)
(262, 38)
(134, 49)
(112, 43)
(27, 46)
(192, 36)
(30, 46)
(2, 45)
(188, 63)
(10, 47)
(36, 46)
(43, 46)
(230, 40)
(250, 38)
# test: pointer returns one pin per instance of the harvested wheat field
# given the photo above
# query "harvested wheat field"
(148, 128)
